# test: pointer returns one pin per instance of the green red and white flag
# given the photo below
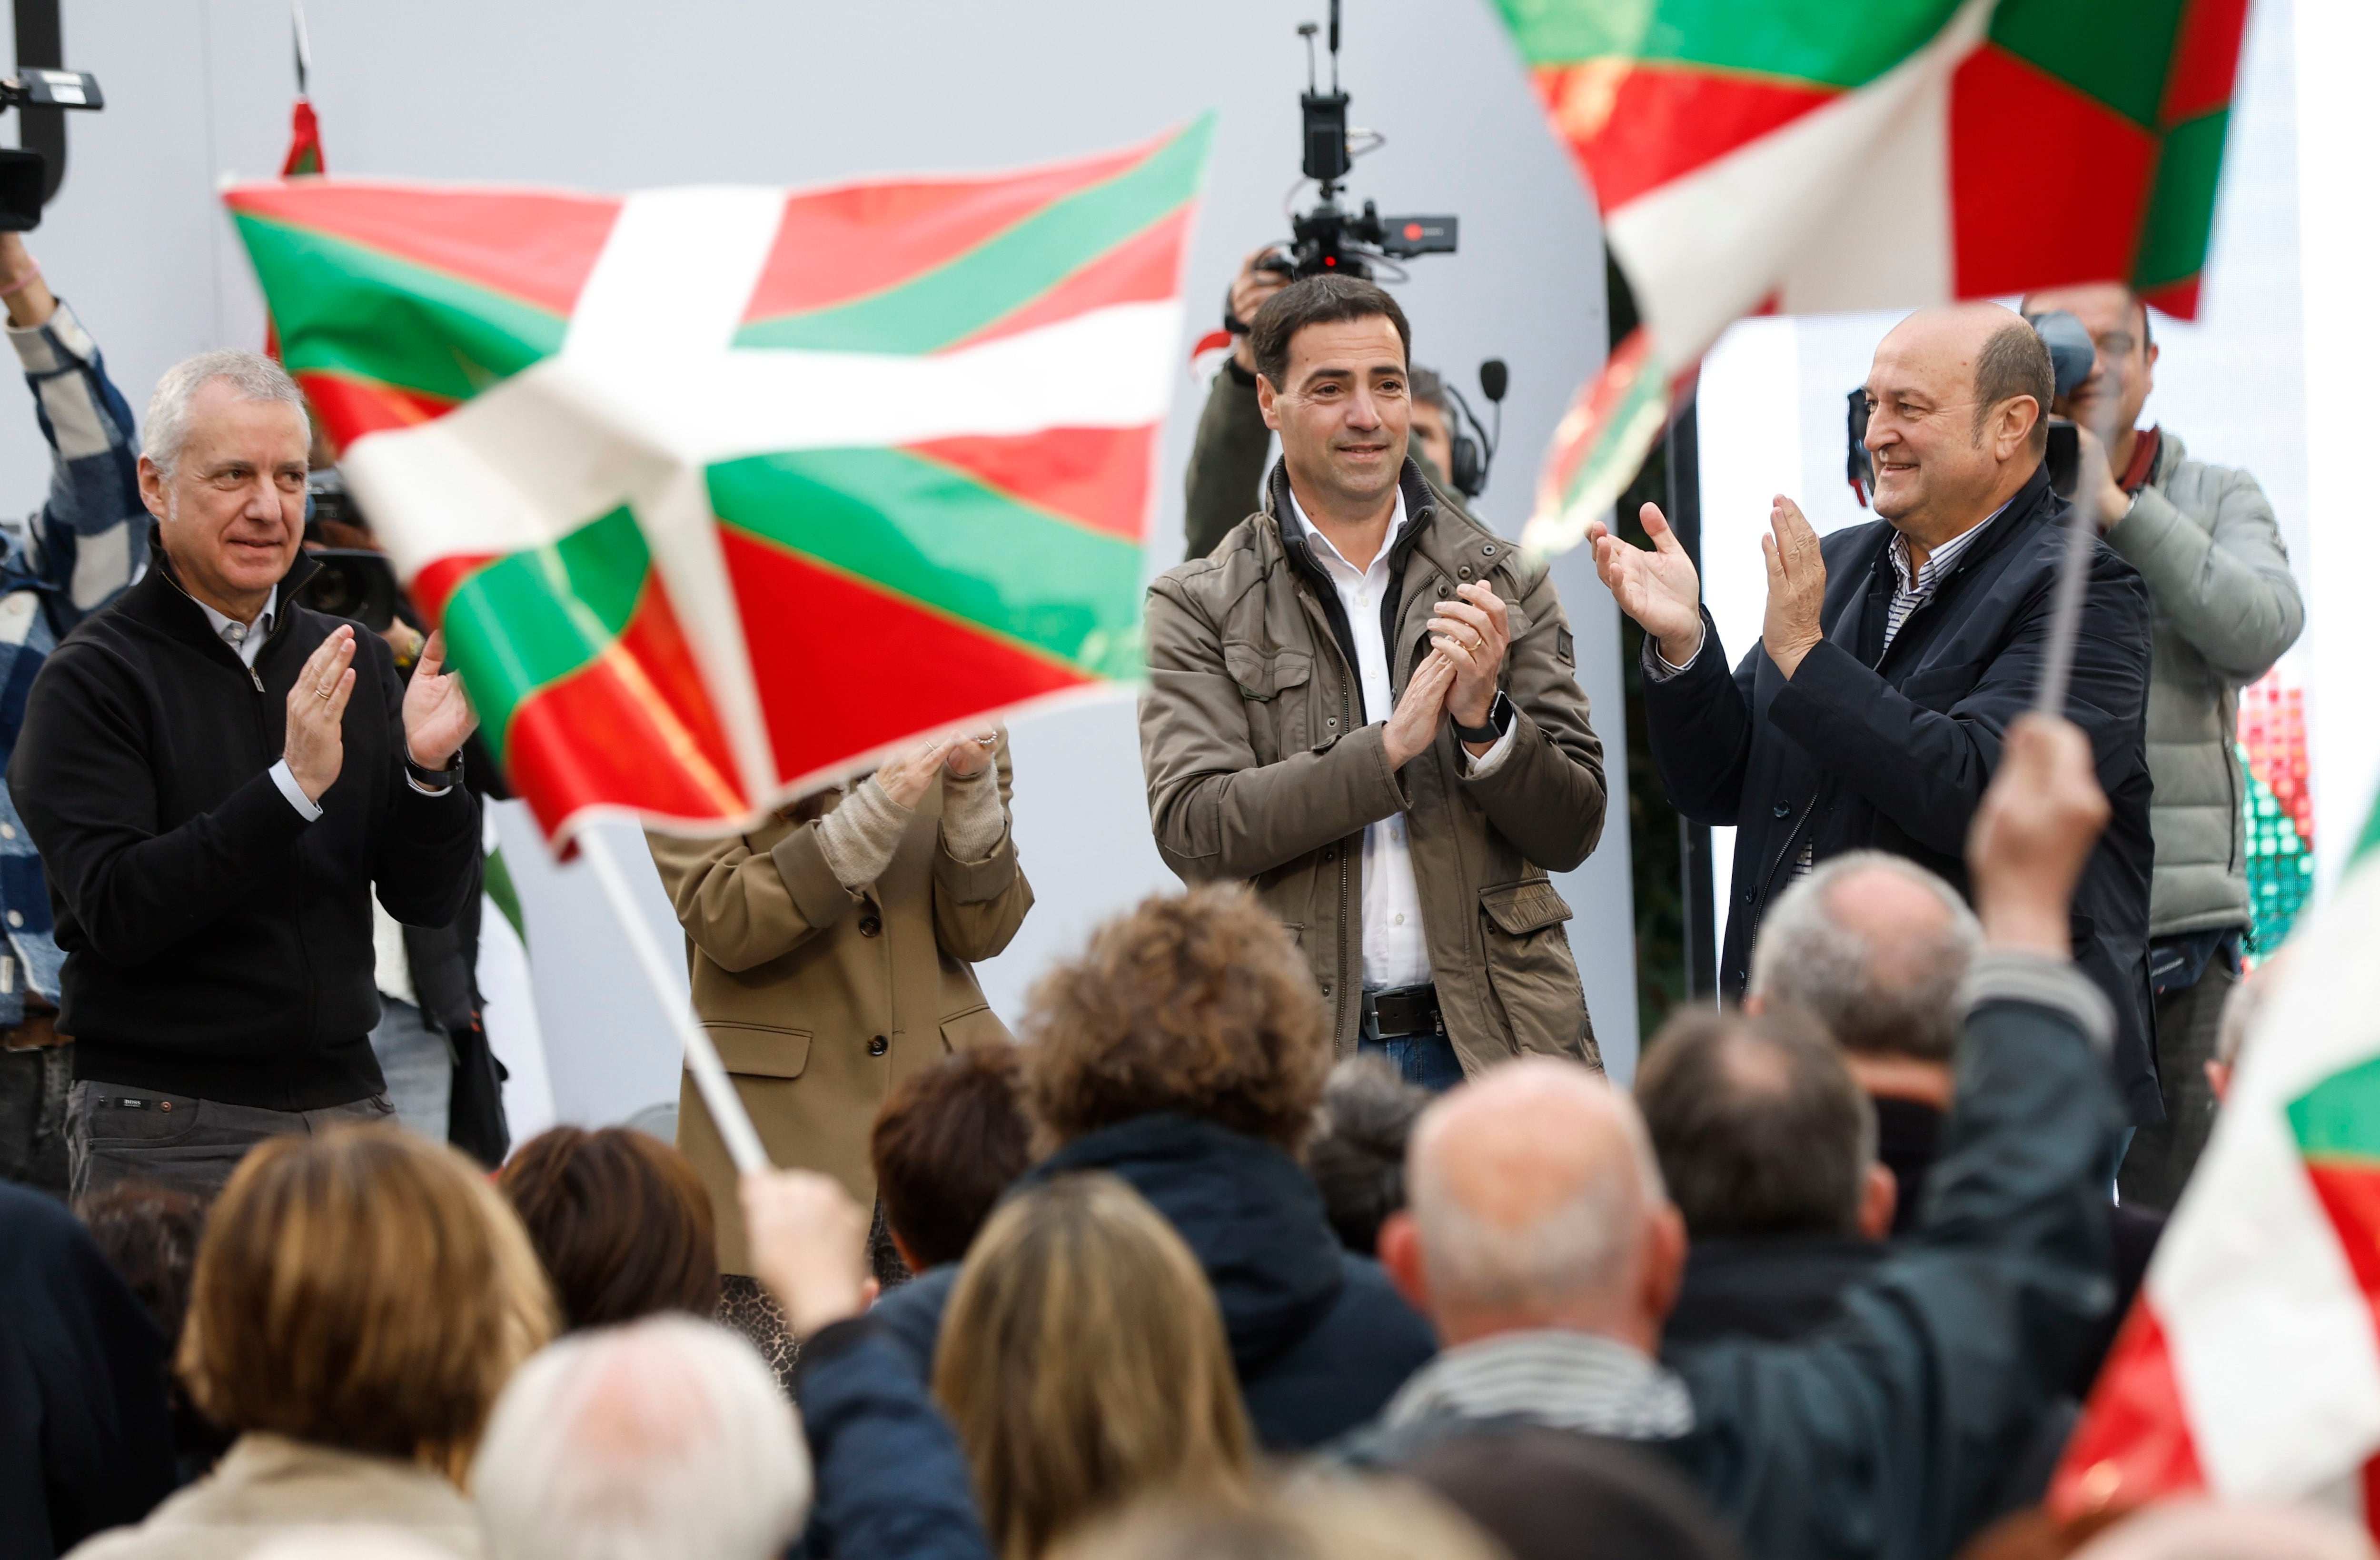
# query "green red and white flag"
(719, 491)
(1750, 155)
(2249, 1366)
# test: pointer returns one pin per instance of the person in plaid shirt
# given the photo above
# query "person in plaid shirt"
(57, 568)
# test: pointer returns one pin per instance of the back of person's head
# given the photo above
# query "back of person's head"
(2205, 1530)
(665, 1439)
(1083, 1361)
(1873, 948)
(1197, 1003)
(620, 1220)
(948, 1142)
(1551, 1494)
(1534, 1201)
(1313, 1517)
(363, 1289)
(1357, 1155)
(149, 1234)
(1758, 1124)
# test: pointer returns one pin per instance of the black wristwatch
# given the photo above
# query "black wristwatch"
(440, 779)
(1500, 721)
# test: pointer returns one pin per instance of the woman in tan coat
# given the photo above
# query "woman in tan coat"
(830, 956)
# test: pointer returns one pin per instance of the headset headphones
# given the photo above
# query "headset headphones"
(1474, 452)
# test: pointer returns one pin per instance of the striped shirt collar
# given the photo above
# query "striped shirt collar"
(1916, 586)
(1566, 1379)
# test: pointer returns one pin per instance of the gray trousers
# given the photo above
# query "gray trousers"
(116, 1133)
(417, 1059)
(2159, 1164)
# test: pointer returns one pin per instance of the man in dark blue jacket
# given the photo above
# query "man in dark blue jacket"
(1185, 1052)
(1893, 655)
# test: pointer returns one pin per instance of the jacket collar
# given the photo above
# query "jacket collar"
(162, 601)
(1247, 1210)
(1421, 514)
(2031, 503)
(1579, 1382)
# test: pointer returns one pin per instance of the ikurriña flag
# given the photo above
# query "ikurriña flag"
(2249, 1366)
(718, 491)
(1802, 158)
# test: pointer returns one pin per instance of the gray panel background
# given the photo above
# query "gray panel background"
(612, 95)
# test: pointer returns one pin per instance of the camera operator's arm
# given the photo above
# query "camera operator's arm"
(2223, 581)
(1227, 460)
(84, 543)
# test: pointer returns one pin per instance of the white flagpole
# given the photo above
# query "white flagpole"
(727, 1111)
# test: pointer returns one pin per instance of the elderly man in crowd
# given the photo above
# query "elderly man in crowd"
(2224, 607)
(1876, 949)
(217, 779)
(1365, 706)
(1893, 655)
(666, 1436)
(1542, 1246)
(1768, 1149)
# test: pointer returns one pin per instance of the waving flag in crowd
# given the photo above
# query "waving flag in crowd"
(717, 491)
(2250, 1367)
(1864, 155)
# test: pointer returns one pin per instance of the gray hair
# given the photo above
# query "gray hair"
(1897, 998)
(1580, 1247)
(168, 427)
(666, 1438)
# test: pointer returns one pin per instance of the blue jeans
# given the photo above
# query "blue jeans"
(1426, 1061)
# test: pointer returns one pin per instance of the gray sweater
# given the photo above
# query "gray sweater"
(2224, 606)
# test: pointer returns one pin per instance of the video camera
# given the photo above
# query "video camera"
(1328, 238)
(28, 178)
(2071, 352)
(353, 582)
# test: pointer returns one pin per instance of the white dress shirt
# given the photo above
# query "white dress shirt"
(1395, 953)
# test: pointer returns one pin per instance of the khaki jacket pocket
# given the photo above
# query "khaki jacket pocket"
(1277, 726)
(761, 1049)
(1530, 968)
(974, 1029)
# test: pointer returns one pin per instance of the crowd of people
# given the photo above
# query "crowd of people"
(1298, 1217)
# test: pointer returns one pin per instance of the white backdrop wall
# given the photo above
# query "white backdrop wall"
(612, 94)
(2233, 383)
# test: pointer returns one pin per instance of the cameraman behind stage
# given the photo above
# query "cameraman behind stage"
(1227, 463)
(2224, 607)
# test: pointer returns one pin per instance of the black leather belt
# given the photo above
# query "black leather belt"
(1403, 1010)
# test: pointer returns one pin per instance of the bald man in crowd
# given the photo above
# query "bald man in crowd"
(1893, 655)
(1542, 1245)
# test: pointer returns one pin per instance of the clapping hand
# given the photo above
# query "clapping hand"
(438, 713)
(1412, 725)
(312, 745)
(906, 776)
(1659, 588)
(1473, 632)
(1790, 629)
(970, 756)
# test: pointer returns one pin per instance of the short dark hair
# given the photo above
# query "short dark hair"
(1317, 300)
(621, 1222)
(2014, 362)
(1428, 388)
(948, 1142)
(1194, 1003)
(1358, 1156)
(1758, 1124)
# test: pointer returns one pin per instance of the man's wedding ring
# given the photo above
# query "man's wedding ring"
(322, 693)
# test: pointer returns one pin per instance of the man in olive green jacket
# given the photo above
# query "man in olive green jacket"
(2224, 607)
(1365, 706)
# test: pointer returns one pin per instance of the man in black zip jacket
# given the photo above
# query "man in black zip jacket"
(1893, 655)
(217, 779)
